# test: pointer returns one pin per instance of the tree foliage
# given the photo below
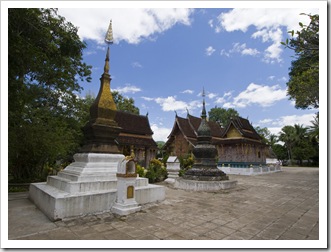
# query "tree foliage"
(298, 144)
(124, 104)
(222, 115)
(264, 134)
(303, 85)
(45, 65)
(280, 152)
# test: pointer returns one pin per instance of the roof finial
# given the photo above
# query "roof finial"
(108, 40)
(109, 35)
(203, 114)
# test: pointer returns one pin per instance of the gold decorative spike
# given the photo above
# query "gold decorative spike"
(109, 35)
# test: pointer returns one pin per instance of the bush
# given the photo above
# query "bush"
(185, 164)
(156, 171)
(141, 171)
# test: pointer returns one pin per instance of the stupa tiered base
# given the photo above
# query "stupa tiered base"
(205, 174)
(206, 186)
(89, 185)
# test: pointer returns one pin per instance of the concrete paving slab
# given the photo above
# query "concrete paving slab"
(277, 206)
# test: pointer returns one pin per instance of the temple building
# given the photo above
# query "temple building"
(238, 143)
(136, 135)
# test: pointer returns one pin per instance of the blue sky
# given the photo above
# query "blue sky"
(163, 58)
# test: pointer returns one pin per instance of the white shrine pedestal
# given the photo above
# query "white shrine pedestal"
(89, 185)
(173, 168)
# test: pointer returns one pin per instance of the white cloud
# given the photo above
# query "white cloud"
(172, 104)
(225, 53)
(136, 65)
(90, 52)
(226, 96)
(210, 22)
(147, 98)
(264, 121)
(258, 94)
(160, 133)
(284, 79)
(228, 105)
(296, 119)
(275, 125)
(209, 50)
(211, 95)
(250, 51)
(267, 22)
(130, 25)
(271, 77)
(240, 48)
(275, 130)
(128, 89)
(188, 91)
(220, 100)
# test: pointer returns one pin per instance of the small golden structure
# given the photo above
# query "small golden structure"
(109, 35)
(130, 192)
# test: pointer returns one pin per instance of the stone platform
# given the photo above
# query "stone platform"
(255, 170)
(198, 185)
(89, 185)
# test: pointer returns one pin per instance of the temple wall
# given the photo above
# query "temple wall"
(181, 146)
(242, 153)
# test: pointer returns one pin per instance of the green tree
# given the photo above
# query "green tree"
(280, 152)
(264, 134)
(313, 130)
(222, 115)
(305, 148)
(45, 66)
(124, 104)
(287, 135)
(160, 152)
(273, 139)
(303, 85)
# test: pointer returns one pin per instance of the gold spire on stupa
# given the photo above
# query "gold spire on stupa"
(102, 130)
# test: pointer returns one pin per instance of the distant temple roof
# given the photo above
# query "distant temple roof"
(136, 130)
(132, 123)
(189, 126)
(244, 128)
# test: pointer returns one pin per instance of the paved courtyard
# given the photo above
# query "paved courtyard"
(277, 206)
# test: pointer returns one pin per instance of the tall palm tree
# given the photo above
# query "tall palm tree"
(313, 130)
(273, 139)
(300, 133)
(287, 135)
